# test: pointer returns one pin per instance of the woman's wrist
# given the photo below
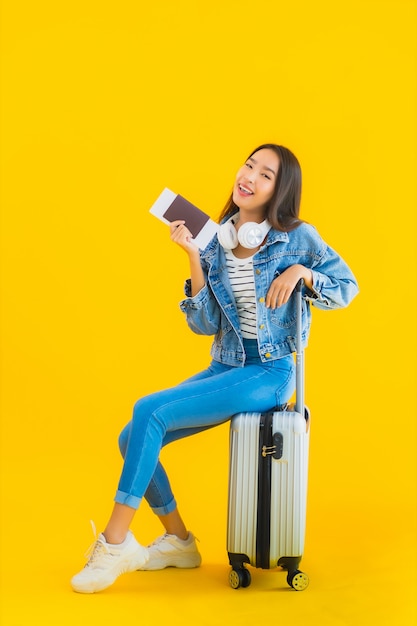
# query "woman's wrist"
(197, 275)
(307, 276)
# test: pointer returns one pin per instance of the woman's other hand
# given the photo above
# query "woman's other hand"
(282, 287)
(182, 236)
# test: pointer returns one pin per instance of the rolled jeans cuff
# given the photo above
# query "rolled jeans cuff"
(125, 498)
(166, 509)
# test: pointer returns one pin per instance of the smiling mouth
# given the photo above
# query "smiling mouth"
(245, 190)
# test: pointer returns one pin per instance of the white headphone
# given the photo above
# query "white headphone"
(250, 234)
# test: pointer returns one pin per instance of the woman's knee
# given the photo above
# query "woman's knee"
(138, 416)
(123, 439)
(146, 410)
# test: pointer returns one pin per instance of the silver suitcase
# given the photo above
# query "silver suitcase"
(268, 485)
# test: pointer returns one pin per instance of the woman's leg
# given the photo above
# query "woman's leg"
(119, 523)
(174, 524)
(122, 516)
(195, 405)
(159, 494)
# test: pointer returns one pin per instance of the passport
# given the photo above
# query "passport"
(170, 206)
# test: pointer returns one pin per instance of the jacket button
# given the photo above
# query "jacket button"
(262, 326)
(258, 272)
(268, 355)
(261, 300)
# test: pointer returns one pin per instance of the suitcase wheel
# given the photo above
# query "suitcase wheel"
(239, 578)
(298, 580)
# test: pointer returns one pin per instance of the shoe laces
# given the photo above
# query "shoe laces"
(96, 549)
(162, 539)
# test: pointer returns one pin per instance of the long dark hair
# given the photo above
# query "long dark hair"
(284, 207)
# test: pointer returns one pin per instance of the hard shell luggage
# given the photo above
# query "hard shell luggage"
(268, 485)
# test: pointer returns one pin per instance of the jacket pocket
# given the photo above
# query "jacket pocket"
(284, 317)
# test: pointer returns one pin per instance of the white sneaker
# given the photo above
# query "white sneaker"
(107, 562)
(170, 551)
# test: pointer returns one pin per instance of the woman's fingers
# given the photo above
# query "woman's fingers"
(282, 287)
(279, 293)
(173, 227)
(181, 235)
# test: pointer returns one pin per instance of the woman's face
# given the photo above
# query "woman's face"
(255, 182)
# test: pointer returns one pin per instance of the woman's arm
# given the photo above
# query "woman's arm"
(201, 309)
(182, 237)
(330, 283)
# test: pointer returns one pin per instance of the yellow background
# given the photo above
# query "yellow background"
(104, 104)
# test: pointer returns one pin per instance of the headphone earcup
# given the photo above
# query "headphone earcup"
(227, 235)
(251, 234)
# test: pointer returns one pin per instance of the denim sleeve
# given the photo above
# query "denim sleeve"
(202, 311)
(334, 285)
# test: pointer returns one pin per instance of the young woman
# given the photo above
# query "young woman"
(240, 291)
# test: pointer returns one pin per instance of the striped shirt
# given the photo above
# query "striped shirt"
(243, 286)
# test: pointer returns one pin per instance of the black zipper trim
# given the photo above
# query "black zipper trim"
(263, 525)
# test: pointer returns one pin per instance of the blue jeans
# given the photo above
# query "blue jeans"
(207, 399)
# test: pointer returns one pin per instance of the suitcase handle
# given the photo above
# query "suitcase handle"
(299, 358)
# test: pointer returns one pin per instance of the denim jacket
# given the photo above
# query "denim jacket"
(212, 311)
